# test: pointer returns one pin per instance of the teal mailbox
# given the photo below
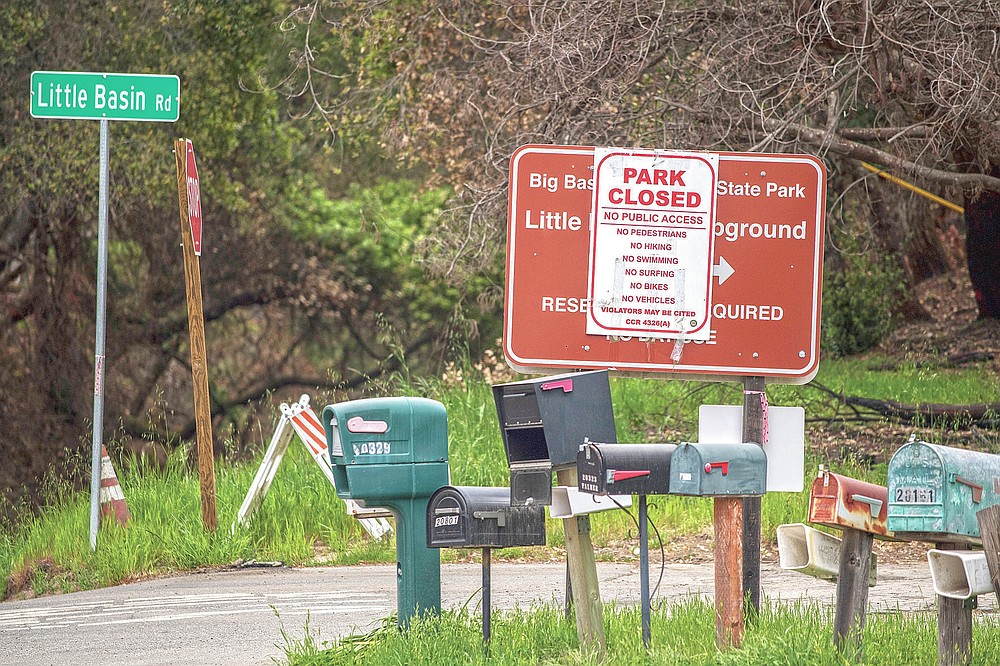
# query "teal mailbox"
(715, 470)
(393, 453)
(935, 492)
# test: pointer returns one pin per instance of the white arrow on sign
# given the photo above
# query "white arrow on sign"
(722, 270)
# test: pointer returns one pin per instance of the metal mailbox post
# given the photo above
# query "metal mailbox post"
(544, 422)
(393, 453)
(642, 469)
(482, 517)
(718, 470)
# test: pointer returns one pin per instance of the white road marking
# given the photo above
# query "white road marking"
(182, 607)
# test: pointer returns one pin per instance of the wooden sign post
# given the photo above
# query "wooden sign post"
(954, 625)
(989, 529)
(582, 570)
(852, 592)
(189, 194)
(754, 417)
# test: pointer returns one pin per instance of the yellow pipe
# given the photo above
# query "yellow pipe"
(913, 188)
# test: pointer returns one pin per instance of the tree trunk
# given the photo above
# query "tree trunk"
(982, 243)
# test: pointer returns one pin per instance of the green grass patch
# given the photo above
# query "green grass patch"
(51, 551)
(799, 634)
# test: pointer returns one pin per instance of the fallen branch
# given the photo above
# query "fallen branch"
(982, 415)
(953, 361)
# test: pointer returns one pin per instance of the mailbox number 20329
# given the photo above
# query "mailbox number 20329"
(371, 448)
(914, 495)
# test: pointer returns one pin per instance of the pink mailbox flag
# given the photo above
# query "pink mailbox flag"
(193, 198)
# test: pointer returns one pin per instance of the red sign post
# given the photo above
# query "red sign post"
(189, 199)
(767, 267)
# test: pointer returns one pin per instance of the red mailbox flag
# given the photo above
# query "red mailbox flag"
(193, 198)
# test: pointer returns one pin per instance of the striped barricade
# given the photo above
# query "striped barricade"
(299, 418)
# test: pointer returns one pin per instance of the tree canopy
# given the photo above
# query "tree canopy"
(910, 86)
(310, 278)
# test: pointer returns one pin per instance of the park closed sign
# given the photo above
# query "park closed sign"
(651, 244)
(97, 96)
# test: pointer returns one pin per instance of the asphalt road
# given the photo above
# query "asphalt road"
(238, 617)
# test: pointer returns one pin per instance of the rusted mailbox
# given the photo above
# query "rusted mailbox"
(624, 469)
(935, 492)
(840, 501)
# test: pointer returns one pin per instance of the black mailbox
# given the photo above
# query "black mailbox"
(545, 421)
(625, 469)
(481, 517)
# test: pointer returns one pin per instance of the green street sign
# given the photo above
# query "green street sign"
(93, 96)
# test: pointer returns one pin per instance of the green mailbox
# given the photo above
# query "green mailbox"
(715, 470)
(935, 492)
(393, 453)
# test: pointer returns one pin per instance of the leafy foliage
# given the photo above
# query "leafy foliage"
(860, 305)
(302, 286)
(911, 87)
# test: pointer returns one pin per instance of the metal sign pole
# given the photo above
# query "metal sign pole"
(754, 405)
(487, 606)
(102, 290)
(644, 571)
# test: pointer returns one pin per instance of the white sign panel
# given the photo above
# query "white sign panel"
(785, 446)
(651, 244)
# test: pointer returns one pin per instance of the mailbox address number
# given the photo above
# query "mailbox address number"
(442, 521)
(371, 448)
(915, 495)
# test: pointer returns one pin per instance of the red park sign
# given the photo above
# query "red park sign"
(767, 269)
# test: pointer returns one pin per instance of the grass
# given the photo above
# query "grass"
(50, 552)
(911, 383)
(798, 634)
(301, 516)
